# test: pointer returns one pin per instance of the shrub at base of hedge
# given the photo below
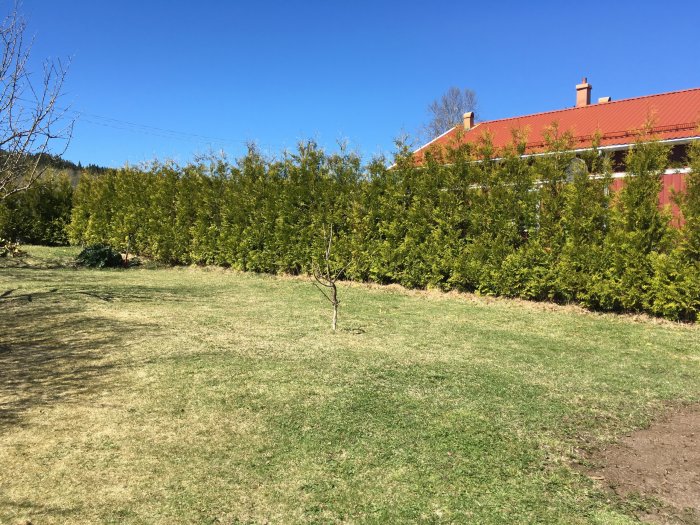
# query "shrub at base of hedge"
(11, 249)
(99, 256)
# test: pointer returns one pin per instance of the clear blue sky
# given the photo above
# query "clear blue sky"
(278, 72)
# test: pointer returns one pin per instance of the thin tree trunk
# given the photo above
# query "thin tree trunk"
(334, 297)
(126, 260)
(327, 279)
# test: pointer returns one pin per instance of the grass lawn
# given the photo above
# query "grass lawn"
(186, 395)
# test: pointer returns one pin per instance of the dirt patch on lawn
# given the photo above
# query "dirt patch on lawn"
(661, 463)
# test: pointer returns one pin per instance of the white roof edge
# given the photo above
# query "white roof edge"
(437, 138)
(429, 143)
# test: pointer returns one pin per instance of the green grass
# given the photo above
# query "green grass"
(207, 396)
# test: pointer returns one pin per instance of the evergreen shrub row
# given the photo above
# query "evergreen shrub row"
(540, 227)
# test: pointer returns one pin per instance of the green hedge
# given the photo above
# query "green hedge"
(40, 214)
(538, 228)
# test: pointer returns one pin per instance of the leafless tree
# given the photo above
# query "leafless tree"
(326, 276)
(448, 110)
(31, 122)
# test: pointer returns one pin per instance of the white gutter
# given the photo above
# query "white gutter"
(616, 175)
(624, 174)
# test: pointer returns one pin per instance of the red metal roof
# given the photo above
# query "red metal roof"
(674, 115)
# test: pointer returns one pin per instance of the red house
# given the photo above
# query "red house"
(674, 118)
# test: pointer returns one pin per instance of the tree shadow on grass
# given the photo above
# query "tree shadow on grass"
(28, 263)
(27, 508)
(53, 351)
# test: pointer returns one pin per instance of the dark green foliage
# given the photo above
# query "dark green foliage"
(99, 256)
(40, 214)
(543, 227)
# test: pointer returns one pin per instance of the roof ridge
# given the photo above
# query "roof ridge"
(589, 105)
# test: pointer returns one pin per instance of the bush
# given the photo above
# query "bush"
(11, 249)
(40, 214)
(527, 274)
(99, 256)
(674, 290)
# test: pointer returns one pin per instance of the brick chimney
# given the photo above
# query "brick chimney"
(468, 119)
(583, 93)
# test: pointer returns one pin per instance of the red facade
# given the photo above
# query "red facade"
(671, 184)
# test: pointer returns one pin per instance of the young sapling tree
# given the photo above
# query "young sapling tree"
(326, 276)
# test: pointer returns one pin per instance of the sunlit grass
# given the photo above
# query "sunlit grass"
(208, 396)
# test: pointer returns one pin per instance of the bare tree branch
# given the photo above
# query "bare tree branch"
(31, 122)
(447, 111)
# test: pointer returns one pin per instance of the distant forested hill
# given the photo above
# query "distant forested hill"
(67, 167)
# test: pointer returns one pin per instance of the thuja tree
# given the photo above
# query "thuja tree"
(414, 229)
(585, 221)
(638, 229)
(259, 192)
(305, 199)
(344, 184)
(94, 203)
(392, 192)
(529, 270)
(446, 214)
(674, 290)
(189, 238)
(200, 202)
(365, 213)
(503, 209)
(131, 200)
(243, 207)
